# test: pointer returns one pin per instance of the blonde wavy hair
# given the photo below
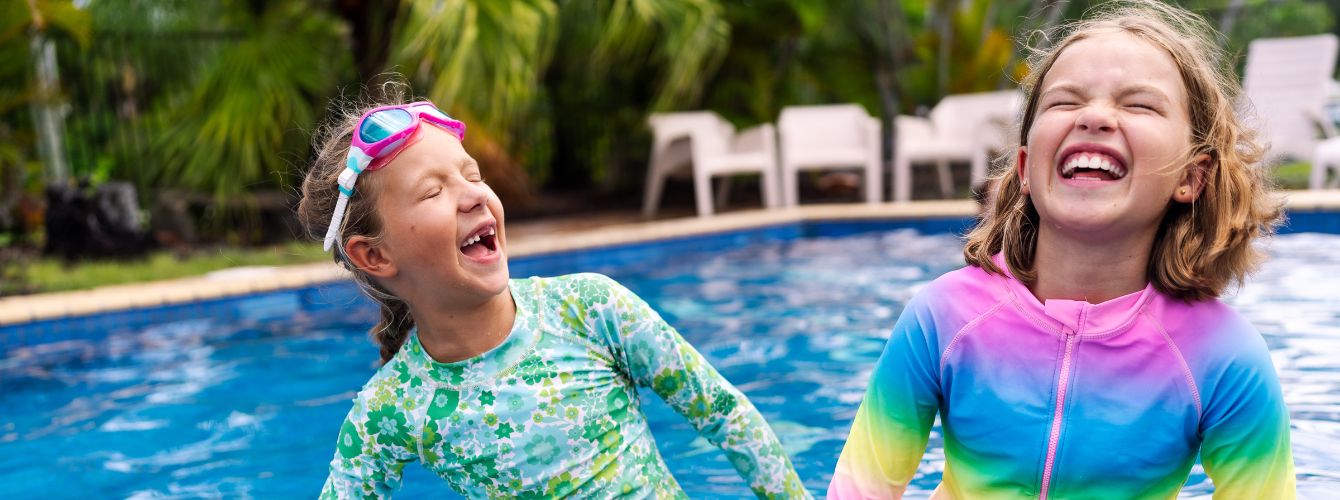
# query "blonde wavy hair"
(1200, 248)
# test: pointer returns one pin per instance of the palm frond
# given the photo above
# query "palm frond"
(230, 133)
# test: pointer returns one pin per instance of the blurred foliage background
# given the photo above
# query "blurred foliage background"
(210, 102)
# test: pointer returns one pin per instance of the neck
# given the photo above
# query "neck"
(1074, 268)
(450, 335)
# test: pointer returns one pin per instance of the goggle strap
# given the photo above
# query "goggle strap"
(354, 164)
(333, 232)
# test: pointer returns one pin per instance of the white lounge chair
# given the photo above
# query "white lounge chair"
(1325, 161)
(706, 144)
(962, 128)
(829, 137)
(1287, 80)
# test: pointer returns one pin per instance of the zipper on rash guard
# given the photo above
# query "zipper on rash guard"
(1055, 438)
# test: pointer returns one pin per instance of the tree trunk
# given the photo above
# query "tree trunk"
(372, 23)
(891, 52)
(944, 11)
(1230, 17)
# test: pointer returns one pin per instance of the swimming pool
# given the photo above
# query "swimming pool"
(250, 404)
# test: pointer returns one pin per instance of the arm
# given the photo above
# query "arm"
(371, 451)
(655, 356)
(894, 420)
(1245, 430)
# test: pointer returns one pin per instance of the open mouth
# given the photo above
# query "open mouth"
(482, 243)
(1092, 166)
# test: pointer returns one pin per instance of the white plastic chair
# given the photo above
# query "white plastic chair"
(706, 144)
(1325, 160)
(963, 127)
(1287, 80)
(829, 137)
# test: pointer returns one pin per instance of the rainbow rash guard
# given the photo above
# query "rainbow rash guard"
(1068, 399)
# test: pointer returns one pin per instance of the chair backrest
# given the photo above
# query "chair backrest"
(708, 132)
(834, 126)
(978, 118)
(1286, 80)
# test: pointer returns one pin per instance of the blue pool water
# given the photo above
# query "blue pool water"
(193, 407)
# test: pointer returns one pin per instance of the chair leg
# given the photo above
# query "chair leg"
(790, 191)
(651, 196)
(1320, 168)
(767, 182)
(723, 193)
(873, 182)
(702, 192)
(946, 180)
(980, 161)
(902, 179)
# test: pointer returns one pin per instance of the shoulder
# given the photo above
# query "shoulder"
(584, 287)
(1206, 326)
(965, 293)
(394, 381)
(1213, 338)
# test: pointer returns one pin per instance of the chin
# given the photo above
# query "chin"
(1081, 221)
(497, 280)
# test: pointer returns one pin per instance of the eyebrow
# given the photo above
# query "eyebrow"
(461, 165)
(1127, 90)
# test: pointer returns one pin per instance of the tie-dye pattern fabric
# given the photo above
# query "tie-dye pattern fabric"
(1068, 399)
(553, 411)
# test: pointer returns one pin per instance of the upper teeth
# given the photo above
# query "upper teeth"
(477, 237)
(1092, 161)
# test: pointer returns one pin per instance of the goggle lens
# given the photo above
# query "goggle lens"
(383, 124)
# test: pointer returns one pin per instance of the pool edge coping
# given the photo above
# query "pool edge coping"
(247, 281)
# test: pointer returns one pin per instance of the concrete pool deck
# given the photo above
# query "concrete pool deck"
(524, 239)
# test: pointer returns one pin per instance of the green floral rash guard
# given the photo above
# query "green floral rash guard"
(553, 410)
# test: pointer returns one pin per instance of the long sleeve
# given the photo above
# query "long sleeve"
(1245, 429)
(656, 356)
(893, 423)
(374, 444)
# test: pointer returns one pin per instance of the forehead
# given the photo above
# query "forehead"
(1117, 57)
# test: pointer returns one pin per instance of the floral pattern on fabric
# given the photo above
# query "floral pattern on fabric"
(553, 411)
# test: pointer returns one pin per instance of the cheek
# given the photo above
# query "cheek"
(495, 205)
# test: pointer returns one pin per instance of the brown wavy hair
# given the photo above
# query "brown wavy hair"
(1200, 248)
(320, 189)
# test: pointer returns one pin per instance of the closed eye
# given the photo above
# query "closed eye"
(1144, 106)
(474, 175)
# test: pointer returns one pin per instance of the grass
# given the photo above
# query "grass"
(1293, 175)
(52, 275)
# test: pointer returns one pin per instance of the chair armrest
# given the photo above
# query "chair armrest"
(756, 138)
(913, 128)
(1322, 121)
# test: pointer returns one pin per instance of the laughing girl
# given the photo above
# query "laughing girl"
(1083, 352)
(503, 387)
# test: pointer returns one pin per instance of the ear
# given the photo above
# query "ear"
(1021, 164)
(370, 258)
(1193, 179)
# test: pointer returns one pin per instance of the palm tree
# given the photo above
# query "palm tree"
(546, 82)
(27, 28)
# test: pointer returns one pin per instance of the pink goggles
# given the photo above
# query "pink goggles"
(379, 134)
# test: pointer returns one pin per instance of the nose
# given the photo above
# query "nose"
(474, 196)
(1097, 118)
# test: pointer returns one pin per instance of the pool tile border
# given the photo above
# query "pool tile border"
(1309, 211)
